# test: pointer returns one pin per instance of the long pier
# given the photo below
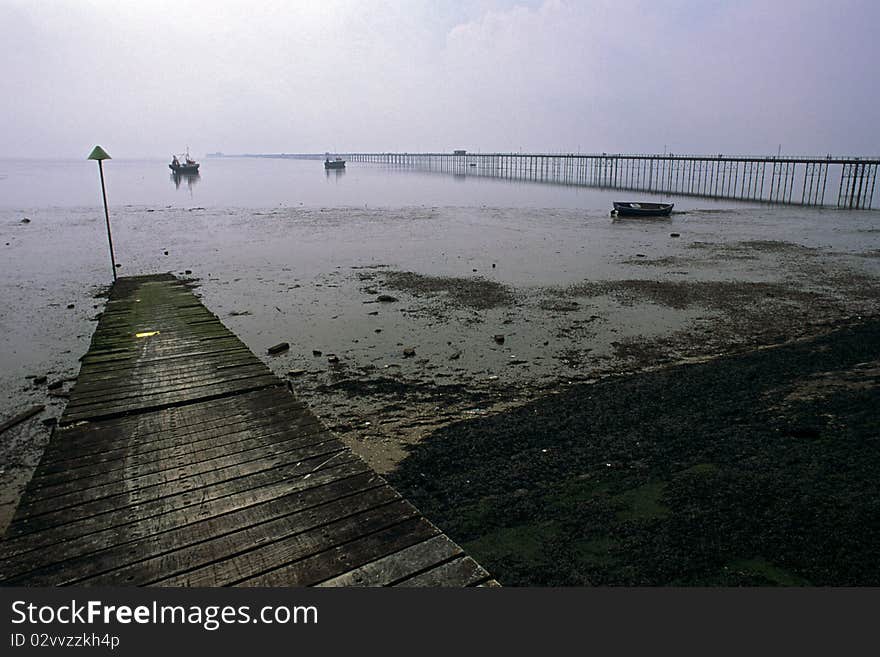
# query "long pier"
(181, 460)
(844, 182)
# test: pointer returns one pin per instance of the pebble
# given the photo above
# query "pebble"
(409, 352)
(499, 338)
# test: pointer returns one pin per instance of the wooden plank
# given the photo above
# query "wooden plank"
(187, 387)
(400, 565)
(168, 482)
(175, 421)
(120, 525)
(210, 485)
(21, 417)
(462, 571)
(151, 471)
(227, 559)
(99, 365)
(144, 427)
(101, 451)
(386, 545)
(196, 400)
(94, 383)
(109, 562)
(158, 402)
(140, 459)
(168, 382)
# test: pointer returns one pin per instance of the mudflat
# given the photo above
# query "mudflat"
(751, 469)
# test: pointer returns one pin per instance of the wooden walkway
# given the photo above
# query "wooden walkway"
(181, 460)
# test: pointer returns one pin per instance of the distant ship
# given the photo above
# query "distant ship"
(189, 165)
(337, 163)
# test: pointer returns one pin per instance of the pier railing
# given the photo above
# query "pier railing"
(791, 180)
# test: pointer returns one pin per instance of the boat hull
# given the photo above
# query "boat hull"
(643, 209)
(184, 168)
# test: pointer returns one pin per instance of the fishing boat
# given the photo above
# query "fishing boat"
(642, 209)
(337, 163)
(188, 165)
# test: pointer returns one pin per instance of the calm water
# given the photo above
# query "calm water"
(271, 183)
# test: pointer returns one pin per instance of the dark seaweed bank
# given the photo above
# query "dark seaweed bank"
(753, 469)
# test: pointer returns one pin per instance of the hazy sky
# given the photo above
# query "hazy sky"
(148, 77)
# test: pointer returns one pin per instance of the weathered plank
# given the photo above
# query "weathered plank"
(462, 571)
(38, 512)
(200, 446)
(21, 417)
(161, 515)
(303, 539)
(109, 561)
(399, 565)
(155, 472)
(385, 545)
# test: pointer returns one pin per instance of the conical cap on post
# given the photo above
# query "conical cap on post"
(99, 153)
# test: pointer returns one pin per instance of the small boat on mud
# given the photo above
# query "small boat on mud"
(188, 165)
(337, 163)
(642, 209)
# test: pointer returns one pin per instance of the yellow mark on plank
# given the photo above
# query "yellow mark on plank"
(146, 334)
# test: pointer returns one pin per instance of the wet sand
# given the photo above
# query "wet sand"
(405, 321)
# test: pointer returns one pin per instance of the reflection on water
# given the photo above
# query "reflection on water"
(264, 182)
(189, 178)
